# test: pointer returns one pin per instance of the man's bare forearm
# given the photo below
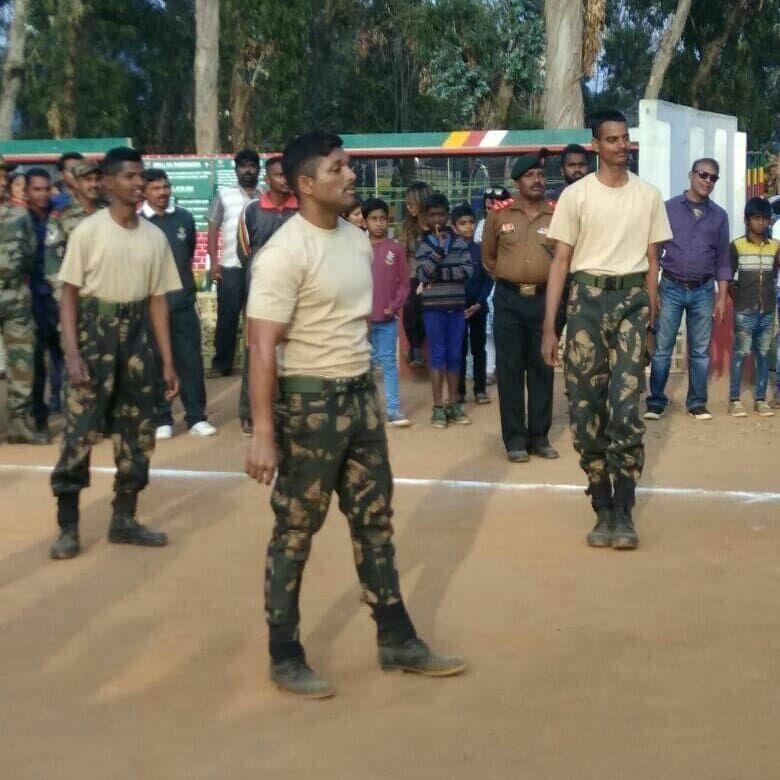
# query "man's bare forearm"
(158, 314)
(556, 282)
(651, 281)
(68, 319)
(263, 339)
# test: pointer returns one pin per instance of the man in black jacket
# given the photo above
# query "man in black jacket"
(179, 228)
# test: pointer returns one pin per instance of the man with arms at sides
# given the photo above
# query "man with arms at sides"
(45, 311)
(607, 226)
(317, 415)
(179, 228)
(17, 255)
(259, 220)
(116, 273)
(227, 271)
(515, 253)
(697, 255)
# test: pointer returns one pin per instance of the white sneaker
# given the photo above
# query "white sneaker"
(163, 432)
(203, 428)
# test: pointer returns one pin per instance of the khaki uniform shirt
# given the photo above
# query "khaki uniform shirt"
(609, 228)
(515, 248)
(117, 264)
(319, 283)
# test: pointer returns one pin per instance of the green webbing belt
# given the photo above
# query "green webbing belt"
(610, 282)
(111, 308)
(314, 384)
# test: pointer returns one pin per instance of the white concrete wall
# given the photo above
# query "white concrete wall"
(671, 137)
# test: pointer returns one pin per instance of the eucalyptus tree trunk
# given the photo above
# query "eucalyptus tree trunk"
(206, 76)
(563, 103)
(13, 67)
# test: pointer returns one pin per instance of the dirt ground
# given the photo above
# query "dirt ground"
(662, 663)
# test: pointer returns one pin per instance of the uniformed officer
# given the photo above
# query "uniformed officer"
(311, 296)
(608, 226)
(179, 228)
(116, 273)
(84, 198)
(17, 253)
(515, 253)
(259, 220)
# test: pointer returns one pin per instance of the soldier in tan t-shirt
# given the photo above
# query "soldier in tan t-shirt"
(115, 276)
(607, 226)
(308, 309)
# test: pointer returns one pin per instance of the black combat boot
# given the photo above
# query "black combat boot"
(601, 500)
(67, 545)
(414, 655)
(624, 537)
(295, 676)
(601, 535)
(125, 529)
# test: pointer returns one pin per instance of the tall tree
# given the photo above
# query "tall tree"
(666, 49)
(13, 67)
(563, 103)
(207, 76)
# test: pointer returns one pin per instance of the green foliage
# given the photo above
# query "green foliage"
(744, 82)
(367, 66)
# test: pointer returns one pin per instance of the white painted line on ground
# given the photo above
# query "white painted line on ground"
(746, 496)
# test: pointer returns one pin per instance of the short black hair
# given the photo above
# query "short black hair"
(275, 160)
(41, 173)
(709, 160)
(300, 154)
(758, 207)
(610, 115)
(573, 149)
(247, 155)
(460, 211)
(438, 200)
(68, 156)
(375, 204)
(115, 158)
(154, 174)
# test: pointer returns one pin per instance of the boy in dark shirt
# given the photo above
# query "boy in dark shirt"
(478, 289)
(443, 267)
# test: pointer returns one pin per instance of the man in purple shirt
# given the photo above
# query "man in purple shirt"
(691, 262)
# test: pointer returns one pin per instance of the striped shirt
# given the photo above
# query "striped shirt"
(755, 269)
(443, 271)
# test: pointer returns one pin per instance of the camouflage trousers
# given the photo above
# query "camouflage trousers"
(604, 367)
(18, 331)
(332, 440)
(118, 399)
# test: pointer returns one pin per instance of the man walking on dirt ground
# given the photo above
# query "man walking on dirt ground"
(320, 422)
(613, 257)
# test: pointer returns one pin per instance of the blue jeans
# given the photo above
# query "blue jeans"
(384, 343)
(698, 306)
(752, 333)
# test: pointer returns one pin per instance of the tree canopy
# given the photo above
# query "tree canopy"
(125, 67)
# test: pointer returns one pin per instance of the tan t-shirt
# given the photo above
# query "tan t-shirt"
(319, 282)
(610, 227)
(116, 264)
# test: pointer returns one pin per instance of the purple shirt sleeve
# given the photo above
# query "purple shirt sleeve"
(700, 246)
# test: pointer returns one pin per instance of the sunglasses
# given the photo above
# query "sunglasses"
(704, 176)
